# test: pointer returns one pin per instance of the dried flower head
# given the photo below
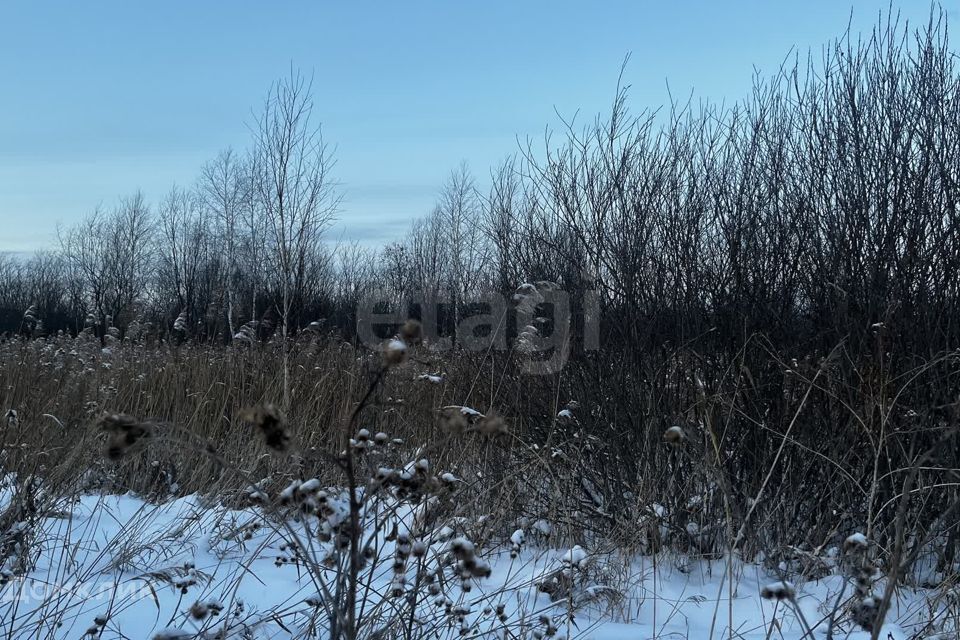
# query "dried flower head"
(394, 352)
(778, 591)
(247, 332)
(411, 332)
(490, 425)
(469, 565)
(180, 324)
(526, 298)
(674, 435)
(453, 420)
(865, 612)
(516, 543)
(271, 421)
(199, 611)
(855, 543)
(124, 433)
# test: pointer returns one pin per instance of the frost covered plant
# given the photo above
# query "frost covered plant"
(546, 628)
(516, 543)
(98, 625)
(456, 419)
(432, 378)
(247, 332)
(180, 324)
(469, 565)
(861, 570)
(527, 300)
(135, 331)
(352, 526)
(30, 318)
(402, 551)
(111, 335)
(30, 315)
(15, 545)
(527, 339)
(558, 584)
(527, 297)
(396, 349)
(394, 352)
(202, 610)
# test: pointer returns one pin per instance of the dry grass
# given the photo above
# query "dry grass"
(721, 463)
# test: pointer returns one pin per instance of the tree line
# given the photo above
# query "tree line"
(820, 208)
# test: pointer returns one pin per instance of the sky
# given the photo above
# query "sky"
(101, 98)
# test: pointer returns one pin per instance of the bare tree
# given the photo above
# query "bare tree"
(459, 212)
(428, 257)
(181, 247)
(111, 255)
(500, 224)
(293, 188)
(225, 189)
(131, 232)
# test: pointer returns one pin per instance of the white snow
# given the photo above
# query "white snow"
(310, 486)
(120, 557)
(470, 412)
(855, 541)
(575, 556)
(543, 527)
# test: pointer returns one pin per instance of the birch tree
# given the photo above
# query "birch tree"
(293, 189)
(225, 189)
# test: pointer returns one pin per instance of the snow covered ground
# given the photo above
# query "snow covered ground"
(119, 567)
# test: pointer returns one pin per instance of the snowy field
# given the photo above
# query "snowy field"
(117, 567)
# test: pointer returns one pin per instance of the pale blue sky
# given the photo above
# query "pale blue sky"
(101, 98)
